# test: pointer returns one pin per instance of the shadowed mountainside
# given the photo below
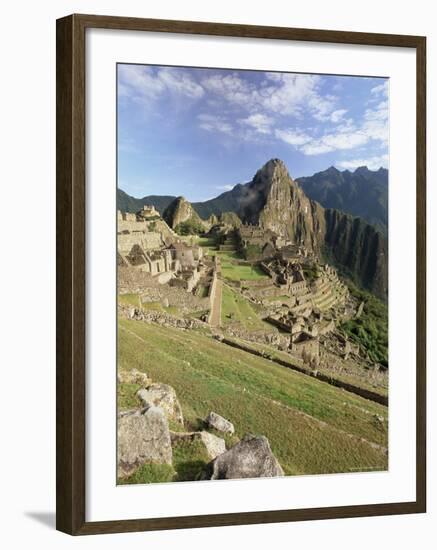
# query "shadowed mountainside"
(362, 193)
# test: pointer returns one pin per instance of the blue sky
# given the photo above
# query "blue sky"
(198, 132)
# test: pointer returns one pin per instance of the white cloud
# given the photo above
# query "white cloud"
(322, 107)
(375, 124)
(249, 109)
(282, 94)
(293, 137)
(316, 148)
(230, 87)
(292, 94)
(337, 116)
(212, 123)
(259, 122)
(140, 82)
(344, 138)
(373, 163)
(177, 80)
(380, 89)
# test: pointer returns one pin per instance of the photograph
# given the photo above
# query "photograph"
(252, 274)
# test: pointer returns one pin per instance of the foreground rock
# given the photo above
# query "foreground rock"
(250, 457)
(214, 445)
(164, 396)
(143, 437)
(219, 423)
(133, 376)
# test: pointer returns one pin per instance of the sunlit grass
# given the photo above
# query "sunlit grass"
(312, 427)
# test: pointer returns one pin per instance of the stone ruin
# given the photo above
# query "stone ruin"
(146, 243)
(266, 240)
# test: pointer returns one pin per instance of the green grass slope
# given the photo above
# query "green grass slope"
(312, 427)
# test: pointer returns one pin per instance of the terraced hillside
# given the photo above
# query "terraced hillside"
(312, 427)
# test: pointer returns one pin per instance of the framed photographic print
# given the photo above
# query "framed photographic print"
(240, 274)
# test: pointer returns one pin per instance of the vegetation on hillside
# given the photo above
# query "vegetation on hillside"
(310, 272)
(252, 251)
(370, 330)
(357, 249)
(190, 227)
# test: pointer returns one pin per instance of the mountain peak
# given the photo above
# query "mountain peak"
(179, 211)
(274, 169)
(272, 165)
(361, 169)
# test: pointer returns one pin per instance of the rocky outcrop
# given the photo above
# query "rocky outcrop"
(274, 201)
(164, 396)
(143, 437)
(212, 220)
(214, 445)
(181, 211)
(219, 423)
(133, 376)
(249, 458)
(358, 248)
(230, 219)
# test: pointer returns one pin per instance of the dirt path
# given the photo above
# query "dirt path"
(216, 306)
(215, 317)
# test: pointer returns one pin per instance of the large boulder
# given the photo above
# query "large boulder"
(133, 376)
(214, 420)
(164, 396)
(250, 457)
(214, 445)
(143, 437)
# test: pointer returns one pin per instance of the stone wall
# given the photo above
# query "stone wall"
(176, 297)
(133, 281)
(298, 288)
(147, 241)
(260, 283)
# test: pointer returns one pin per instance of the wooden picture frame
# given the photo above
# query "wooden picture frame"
(71, 248)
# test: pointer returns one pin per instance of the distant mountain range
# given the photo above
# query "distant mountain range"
(275, 201)
(126, 203)
(361, 193)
